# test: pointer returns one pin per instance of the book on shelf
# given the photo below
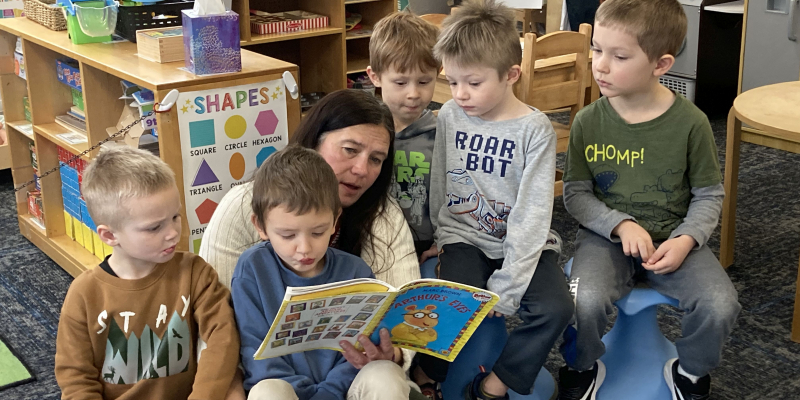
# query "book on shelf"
(77, 113)
(429, 316)
(70, 122)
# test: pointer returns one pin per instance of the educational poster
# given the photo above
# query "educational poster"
(225, 136)
(12, 8)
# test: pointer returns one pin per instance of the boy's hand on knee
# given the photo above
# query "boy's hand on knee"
(430, 253)
(636, 241)
(670, 255)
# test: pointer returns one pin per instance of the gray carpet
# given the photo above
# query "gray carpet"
(760, 361)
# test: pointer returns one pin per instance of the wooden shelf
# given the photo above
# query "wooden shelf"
(5, 156)
(348, 35)
(121, 59)
(20, 126)
(355, 65)
(359, 1)
(51, 130)
(279, 37)
(64, 251)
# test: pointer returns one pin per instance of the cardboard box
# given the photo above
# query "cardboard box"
(265, 23)
(69, 73)
(211, 43)
(161, 45)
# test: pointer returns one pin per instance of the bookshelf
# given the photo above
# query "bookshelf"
(102, 67)
(325, 56)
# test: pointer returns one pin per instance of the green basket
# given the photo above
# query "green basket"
(74, 28)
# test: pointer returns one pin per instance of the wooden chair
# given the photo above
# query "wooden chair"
(558, 87)
(435, 19)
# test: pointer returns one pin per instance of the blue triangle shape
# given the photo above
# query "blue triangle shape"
(204, 175)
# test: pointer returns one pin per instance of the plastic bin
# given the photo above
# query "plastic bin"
(134, 18)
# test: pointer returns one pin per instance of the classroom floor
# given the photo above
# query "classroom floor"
(760, 362)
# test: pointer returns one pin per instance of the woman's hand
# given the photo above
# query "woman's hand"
(384, 351)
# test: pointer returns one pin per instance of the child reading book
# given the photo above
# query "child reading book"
(295, 206)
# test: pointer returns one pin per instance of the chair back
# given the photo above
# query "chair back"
(435, 19)
(561, 62)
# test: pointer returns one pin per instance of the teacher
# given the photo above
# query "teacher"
(354, 133)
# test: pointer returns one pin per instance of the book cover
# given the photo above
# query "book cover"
(430, 316)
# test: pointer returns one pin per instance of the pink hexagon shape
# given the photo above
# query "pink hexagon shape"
(266, 122)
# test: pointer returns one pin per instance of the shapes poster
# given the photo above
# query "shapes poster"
(225, 135)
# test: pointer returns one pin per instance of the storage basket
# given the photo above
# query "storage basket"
(684, 86)
(134, 18)
(46, 13)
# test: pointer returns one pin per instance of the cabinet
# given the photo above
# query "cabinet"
(102, 67)
(325, 55)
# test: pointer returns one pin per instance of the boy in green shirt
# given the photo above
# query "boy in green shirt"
(644, 182)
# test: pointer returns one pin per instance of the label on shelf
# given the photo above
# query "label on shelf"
(72, 137)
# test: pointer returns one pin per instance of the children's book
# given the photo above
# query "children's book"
(429, 316)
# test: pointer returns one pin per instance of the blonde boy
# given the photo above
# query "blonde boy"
(133, 328)
(403, 66)
(492, 196)
(643, 180)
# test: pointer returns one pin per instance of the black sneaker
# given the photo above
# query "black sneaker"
(575, 385)
(682, 387)
(432, 391)
(473, 389)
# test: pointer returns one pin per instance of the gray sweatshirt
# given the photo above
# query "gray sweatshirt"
(413, 148)
(492, 187)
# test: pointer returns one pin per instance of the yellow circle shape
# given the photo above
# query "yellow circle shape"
(235, 126)
(236, 165)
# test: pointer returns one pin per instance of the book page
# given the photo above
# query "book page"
(435, 317)
(321, 322)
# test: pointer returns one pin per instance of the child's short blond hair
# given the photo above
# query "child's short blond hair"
(658, 25)
(403, 41)
(480, 33)
(117, 175)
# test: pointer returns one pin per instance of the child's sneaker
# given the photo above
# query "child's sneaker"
(473, 390)
(576, 385)
(682, 387)
(433, 391)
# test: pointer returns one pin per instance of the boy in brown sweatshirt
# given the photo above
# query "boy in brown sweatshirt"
(151, 322)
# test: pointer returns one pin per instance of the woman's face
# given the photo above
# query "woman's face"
(356, 154)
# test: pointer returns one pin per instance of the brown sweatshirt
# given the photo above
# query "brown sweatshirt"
(138, 339)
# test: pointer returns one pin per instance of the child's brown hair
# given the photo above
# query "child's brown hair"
(403, 41)
(658, 25)
(298, 179)
(480, 33)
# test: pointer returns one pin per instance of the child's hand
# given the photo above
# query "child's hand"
(384, 351)
(670, 255)
(636, 241)
(493, 314)
(430, 253)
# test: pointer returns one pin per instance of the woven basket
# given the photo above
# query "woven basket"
(46, 13)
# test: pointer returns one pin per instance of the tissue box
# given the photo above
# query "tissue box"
(211, 43)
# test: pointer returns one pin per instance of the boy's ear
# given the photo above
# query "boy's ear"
(664, 64)
(514, 74)
(107, 235)
(375, 78)
(262, 233)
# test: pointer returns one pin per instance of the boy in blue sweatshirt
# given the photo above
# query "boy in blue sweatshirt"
(295, 207)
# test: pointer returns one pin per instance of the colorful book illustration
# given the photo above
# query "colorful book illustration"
(430, 316)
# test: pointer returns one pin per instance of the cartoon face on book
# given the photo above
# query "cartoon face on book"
(417, 326)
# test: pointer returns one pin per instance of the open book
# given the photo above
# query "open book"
(430, 316)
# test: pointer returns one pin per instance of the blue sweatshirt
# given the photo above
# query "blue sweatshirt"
(258, 286)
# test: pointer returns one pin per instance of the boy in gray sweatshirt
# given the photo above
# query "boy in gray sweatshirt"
(643, 180)
(403, 66)
(492, 196)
